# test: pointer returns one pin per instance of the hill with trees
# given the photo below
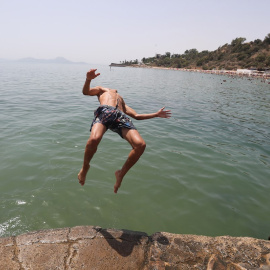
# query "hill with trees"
(238, 54)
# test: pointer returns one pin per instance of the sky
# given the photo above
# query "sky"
(106, 31)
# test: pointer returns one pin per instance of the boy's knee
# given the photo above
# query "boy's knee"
(141, 145)
(93, 141)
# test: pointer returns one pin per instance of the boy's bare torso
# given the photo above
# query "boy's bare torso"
(110, 97)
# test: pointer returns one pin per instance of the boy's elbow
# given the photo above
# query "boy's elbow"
(137, 117)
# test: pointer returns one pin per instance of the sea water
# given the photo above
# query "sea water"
(205, 170)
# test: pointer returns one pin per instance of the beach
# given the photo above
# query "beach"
(264, 75)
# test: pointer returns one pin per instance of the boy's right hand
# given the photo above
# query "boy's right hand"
(91, 74)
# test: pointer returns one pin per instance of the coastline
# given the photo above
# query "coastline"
(233, 73)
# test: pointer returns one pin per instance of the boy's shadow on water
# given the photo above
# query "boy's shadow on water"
(125, 244)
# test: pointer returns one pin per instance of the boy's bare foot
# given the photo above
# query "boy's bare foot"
(118, 181)
(82, 175)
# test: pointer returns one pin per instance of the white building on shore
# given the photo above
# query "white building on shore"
(244, 71)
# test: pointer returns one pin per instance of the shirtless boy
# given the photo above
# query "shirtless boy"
(112, 114)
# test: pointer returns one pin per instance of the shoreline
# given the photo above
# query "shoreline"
(239, 73)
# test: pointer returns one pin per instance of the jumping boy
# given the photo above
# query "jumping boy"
(112, 114)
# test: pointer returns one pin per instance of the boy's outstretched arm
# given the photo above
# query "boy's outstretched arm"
(160, 113)
(90, 75)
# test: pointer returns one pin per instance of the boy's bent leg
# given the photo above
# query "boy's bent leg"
(96, 135)
(138, 146)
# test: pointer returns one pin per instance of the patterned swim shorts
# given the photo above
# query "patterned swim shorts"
(112, 119)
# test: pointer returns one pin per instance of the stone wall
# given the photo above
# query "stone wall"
(96, 248)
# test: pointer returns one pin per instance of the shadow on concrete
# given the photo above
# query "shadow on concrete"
(161, 239)
(124, 244)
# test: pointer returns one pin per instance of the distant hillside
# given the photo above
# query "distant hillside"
(237, 54)
(57, 60)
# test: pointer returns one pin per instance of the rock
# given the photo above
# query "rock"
(108, 249)
(88, 247)
(43, 250)
(9, 258)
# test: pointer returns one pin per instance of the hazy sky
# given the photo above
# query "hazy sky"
(105, 31)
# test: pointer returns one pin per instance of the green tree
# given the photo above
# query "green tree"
(267, 39)
(257, 41)
(199, 62)
(261, 57)
(168, 54)
(176, 56)
(238, 41)
(245, 47)
(205, 67)
(267, 61)
(241, 56)
(177, 63)
(237, 44)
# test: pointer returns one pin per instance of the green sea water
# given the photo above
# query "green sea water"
(204, 171)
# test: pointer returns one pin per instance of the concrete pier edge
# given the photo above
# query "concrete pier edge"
(92, 247)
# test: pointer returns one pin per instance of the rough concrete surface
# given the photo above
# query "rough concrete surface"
(88, 247)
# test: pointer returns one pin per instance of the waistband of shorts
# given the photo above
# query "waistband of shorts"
(109, 107)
